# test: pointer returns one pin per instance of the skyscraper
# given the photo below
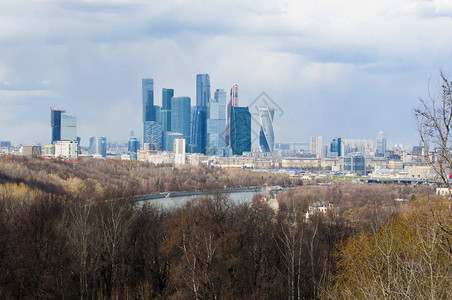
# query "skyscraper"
(381, 144)
(167, 94)
(336, 147)
(180, 117)
(240, 130)
(266, 134)
(147, 88)
(202, 89)
(233, 102)
(63, 125)
(216, 122)
(316, 146)
(199, 129)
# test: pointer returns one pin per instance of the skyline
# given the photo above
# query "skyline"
(334, 70)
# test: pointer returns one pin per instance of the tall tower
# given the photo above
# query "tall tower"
(216, 123)
(199, 132)
(147, 89)
(266, 135)
(381, 144)
(233, 102)
(167, 94)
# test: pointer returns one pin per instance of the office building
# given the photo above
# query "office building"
(363, 146)
(66, 150)
(153, 135)
(98, 146)
(63, 125)
(240, 130)
(355, 163)
(381, 144)
(168, 140)
(199, 124)
(165, 115)
(180, 117)
(336, 148)
(216, 123)
(266, 134)
(233, 102)
(179, 151)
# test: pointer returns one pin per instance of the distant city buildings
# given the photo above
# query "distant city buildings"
(317, 146)
(216, 124)
(179, 150)
(98, 146)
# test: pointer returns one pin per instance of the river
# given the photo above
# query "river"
(174, 202)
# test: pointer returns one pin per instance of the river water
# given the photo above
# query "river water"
(174, 202)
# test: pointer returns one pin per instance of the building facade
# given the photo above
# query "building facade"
(355, 163)
(147, 91)
(216, 123)
(66, 150)
(153, 135)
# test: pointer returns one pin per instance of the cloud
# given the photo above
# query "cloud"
(347, 68)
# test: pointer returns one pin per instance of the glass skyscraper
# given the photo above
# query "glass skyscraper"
(199, 127)
(63, 125)
(240, 130)
(266, 134)
(381, 144)
(167, 94)
(147, 89)
(180, 117)
(216, 123)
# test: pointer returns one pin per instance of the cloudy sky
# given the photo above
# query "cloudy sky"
(346, 68)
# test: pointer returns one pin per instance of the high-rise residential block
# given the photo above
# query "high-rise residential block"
(63, 125)
(240, 127)
(180, 116)
(66, 149)
(266, 134)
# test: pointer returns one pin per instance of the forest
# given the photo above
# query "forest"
(62, 236)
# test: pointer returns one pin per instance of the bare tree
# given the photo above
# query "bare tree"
(434, 120)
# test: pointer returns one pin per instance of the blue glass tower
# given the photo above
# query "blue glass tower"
(199, 126)
(216, 123)
(266, 134)
(240, 130)
(180, 117)
(167, 94)
(98, 145)
(147, 89)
